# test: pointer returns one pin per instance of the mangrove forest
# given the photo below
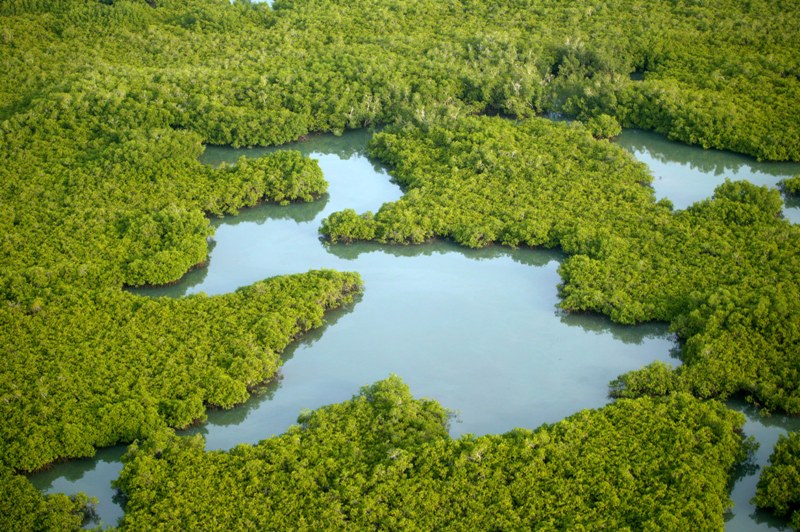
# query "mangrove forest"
(498, 121)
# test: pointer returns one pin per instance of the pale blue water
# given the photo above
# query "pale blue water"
(477, 330)
(686, 174)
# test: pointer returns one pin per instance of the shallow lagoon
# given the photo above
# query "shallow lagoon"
(478, 330)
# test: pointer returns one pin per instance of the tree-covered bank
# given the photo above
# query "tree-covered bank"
(721, 74)
(724, 272)
(86, 212)
(778, 486)
(97, 193)
(791, 185)
(104, 106)
(384, 460)
(23, 507)
(96, 369)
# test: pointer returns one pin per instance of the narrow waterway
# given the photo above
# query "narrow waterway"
(686, 174)
(478, 330)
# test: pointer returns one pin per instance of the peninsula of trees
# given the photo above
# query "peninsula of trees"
(105, 107)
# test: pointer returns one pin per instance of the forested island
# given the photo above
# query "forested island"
(105, 107)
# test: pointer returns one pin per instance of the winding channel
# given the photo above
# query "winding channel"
(477, 330)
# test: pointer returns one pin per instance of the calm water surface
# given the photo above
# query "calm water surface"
(686, 174)
(477, 330)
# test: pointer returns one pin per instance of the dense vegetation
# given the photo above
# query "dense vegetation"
(779, 485)
(480, 180)
(105, 105)
(791, 185)
(96, 193)
(722, 74)
(725, 272)
(23, 507)
(85, 212)
(384, 460)
(95, 369)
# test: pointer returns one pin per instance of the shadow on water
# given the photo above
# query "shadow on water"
(766, 430)
(297, 212)
(464, 314)
(267, 391)
(258, 215)
(314, 335)
(710, 161)
(92, 475)
(529, 257)
(769, 520)
(754, 414)
(589, 322)
(791, 201)
(599, 324)
(688, 174)
(747, 470)
(75, 470)
(350, 144)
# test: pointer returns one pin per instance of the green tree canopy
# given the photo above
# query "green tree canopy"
(384, 460)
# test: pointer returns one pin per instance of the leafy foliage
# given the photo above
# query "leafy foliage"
(95, 369)
(99, 190)
(721, 74)
(779, 485)
(283, 177)
(104, 106)
(791, 185)
(384, 460)
(604, 126)
(23, 507)
(481, 180)
(84, 363)
(725, 272)
(654, 380)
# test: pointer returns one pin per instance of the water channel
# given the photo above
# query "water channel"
(477, 330)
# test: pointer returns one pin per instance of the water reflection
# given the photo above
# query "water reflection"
(712, 162)
(477, 330)
(687, 174)
(462, 326)
(602, 325)
(529, 257)
(344, 147)
(766, 430)
(92, 476)
(265, 393)
(296, 212)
